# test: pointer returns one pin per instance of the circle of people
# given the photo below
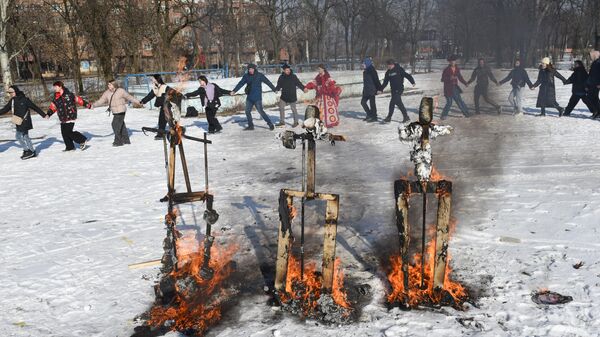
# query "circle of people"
(585, 87)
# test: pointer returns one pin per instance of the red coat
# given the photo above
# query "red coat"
(65, 105)
(325, 86)
(450, 79)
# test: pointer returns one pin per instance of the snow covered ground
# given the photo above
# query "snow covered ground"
(526, 198)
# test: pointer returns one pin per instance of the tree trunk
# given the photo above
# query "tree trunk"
(4, 58)
(37, 71)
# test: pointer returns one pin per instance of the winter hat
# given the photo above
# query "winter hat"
(368, 62)
(546, 60)
(452, 58)
(390, 62)
(285, 66)
(18, 91)
(251, 66)
(158, 78)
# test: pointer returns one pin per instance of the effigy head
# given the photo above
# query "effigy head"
(312, 117)
(426, 110)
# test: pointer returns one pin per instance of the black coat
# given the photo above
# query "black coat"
(65, 105)
(371, 82)
(547, 93)
(22, 105)
(288, 84)
(395, 77)
(215, 103)
(483, 75)
(158, 102)
(594, 77)
(518, 78)
(579, 79)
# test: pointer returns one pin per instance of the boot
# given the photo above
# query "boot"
(560, 111)
(387, 119)
(28, 154)
(249, 128)
(596, 114)
(23, 154)
(499, 109)
(281, 123)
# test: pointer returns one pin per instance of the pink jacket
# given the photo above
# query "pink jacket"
(119, 101)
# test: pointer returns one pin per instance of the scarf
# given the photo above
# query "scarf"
(210, 92)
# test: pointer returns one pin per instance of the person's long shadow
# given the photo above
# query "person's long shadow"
(353, 114)
(263, 254)
(4, 146)
(45, 144)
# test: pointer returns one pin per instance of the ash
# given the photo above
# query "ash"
(421, 153)
(326, 311)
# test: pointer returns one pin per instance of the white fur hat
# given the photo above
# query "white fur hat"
(546, 60)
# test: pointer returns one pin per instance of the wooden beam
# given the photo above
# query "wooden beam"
(441, 241)
(331, 220)
(144, 264)
(284, 244)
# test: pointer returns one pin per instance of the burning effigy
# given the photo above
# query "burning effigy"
(299, 287)
(424, 279)
(194, 275)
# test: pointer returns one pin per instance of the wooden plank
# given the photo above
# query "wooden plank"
(320, 196)
(144, 264)
(186, 174)
(171, 170)
(311, 167)
(329, 240)
(179, 198)
(284, 244)
(441, 242)
(403, 233)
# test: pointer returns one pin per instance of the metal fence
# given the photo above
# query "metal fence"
(142, 82)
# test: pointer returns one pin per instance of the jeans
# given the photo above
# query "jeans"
(213, 122)
(575, 99)
(371, 111)
(282, 105)
(70, 136)
(593, 99)
(515, 99)
(459, 102)
(483, 93)
(396, 100)
(259, 108)
(119, 129)
(162, 119)
(24, 140)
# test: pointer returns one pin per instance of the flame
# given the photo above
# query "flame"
(426, 295)
(308, 290)
(338, 293)
(436, 175)
(198, 308)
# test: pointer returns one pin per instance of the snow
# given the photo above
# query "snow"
(526, 198)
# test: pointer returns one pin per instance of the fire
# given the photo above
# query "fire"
(307, 291)
(197, 303)
(338, 292)
(436, 175)
(426, 295)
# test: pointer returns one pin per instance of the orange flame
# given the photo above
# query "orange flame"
(200, 307)
(436, 175)
(426, 295)
(308, 290)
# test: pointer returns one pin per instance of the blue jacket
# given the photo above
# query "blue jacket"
(255, 84)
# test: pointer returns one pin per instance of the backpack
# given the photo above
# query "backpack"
(191, 112)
